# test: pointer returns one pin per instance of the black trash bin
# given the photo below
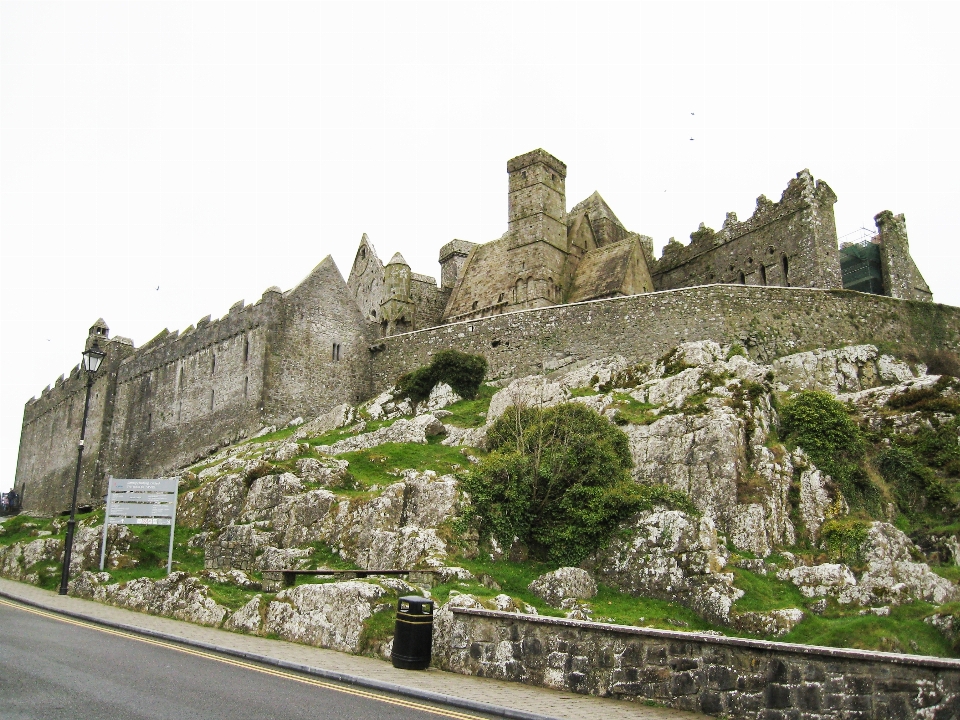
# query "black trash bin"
(413, 635)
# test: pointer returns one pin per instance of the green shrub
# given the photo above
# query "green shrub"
(820, 425)
(843, 539)
(736, 349)
(558, 480)
(461, 371)
(929, 399)
(914, 485)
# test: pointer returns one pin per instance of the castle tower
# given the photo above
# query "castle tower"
(397, 309)
(901, 277)
(537, 229)
(452, 257)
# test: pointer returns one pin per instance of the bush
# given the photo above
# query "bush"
(913, 484)
(461, 371)
(843, 539)
(820, 425)
(558, 480)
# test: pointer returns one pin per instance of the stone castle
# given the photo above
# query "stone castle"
(558, 288)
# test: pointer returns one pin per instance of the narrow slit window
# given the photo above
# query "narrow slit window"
(211, 399)
(335, 352)
(786, 271)
(246, 386)
(246, 349)
(213, 364)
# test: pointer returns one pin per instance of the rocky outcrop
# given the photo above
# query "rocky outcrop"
(700, 455)
(178, 596)
(330, 615)
(773, 623)
(670, 555)
(892, 574)
(401, 431)
(845, 370)
(532, 391)
(563, 583)
(337, 417)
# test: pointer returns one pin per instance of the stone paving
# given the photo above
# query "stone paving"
(513, 699)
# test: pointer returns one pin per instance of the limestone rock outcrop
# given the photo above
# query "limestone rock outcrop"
(670, 555)
(563, 583)
(178, 595)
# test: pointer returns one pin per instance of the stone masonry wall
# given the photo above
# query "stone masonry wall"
(790, 243)
(769, 322)
(182, 395)
(304, 375)
(47, 460)
(732, 677)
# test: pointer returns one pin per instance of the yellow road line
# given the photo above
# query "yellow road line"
(244, 664)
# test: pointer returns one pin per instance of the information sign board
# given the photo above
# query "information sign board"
(141, 502)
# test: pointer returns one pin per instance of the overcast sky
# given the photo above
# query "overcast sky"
(161, 160)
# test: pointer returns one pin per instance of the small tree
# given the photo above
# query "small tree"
(557, 479)
(461, 371)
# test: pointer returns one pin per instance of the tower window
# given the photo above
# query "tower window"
(246, 349)
(786, 271)
(213, 364)
(335, 352)
(475, 303)
(211, 399)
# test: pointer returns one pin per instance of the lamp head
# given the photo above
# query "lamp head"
(92, 358)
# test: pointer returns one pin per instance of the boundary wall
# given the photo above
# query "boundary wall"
(768, 321)
(731, 677)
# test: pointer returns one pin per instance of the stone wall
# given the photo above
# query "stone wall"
(769, 322)
(47, 460)
(183, 394)
(790, 243)
(732, 677)
(317, 356)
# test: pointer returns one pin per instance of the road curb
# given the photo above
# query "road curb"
(356, 680)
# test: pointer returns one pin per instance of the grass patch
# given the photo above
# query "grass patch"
(377, 629)
(902, 631)
(230, 596)
(612, 605)
(381, 465)
(630, 411)
(765, 592)
(25, 528)
(584, 392)
(148, 553)
(471, 413)
(950, 572)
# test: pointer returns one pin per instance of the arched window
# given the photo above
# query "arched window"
(763, 275)
(786, 271)
(518, 292)
(743, 279)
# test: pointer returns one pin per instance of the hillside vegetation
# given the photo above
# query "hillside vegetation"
(814, 500)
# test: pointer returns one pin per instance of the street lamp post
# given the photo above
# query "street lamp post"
(91, 363)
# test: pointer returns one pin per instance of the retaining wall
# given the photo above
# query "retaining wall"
(769, 321)
(735, 677)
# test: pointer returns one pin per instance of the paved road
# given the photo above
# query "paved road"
(55, 667)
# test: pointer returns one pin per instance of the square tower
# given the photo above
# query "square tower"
(537, 203)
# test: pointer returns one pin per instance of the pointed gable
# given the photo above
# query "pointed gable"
(366, 280)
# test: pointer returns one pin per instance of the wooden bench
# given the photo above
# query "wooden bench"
(276, 580)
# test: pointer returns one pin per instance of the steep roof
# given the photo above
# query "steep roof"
(617, 269)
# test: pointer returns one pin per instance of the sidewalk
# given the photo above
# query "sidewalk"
(507, 699)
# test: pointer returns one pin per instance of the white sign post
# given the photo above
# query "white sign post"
(141, 502)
